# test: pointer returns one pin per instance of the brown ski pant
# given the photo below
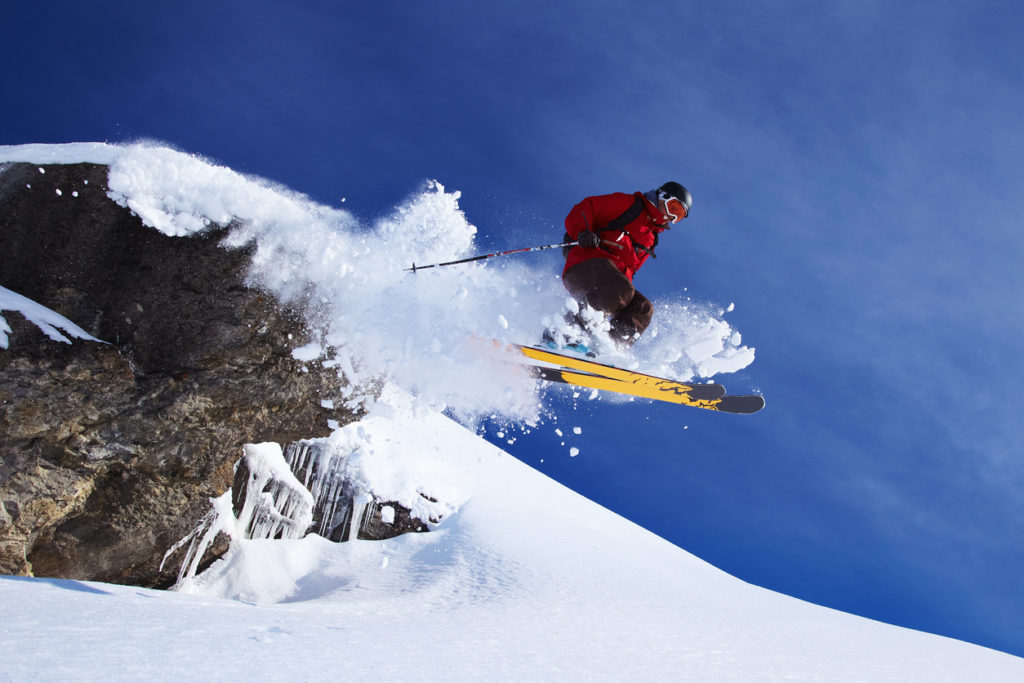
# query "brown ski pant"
(599, 283)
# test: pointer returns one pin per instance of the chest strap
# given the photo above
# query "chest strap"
(625, 219)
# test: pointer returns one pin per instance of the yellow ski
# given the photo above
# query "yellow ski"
(590, 374)
(651, 385)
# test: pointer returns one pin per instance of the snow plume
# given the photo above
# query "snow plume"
(425, 331)
(711, 346)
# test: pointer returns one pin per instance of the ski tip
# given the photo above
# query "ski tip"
(740, 405)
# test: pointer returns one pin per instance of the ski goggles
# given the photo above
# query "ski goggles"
(675, 209)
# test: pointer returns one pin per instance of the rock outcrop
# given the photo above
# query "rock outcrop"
(110, 452)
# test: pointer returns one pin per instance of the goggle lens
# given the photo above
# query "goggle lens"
(675, 208)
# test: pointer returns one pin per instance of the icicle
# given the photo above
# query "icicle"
(323, 473)
(359, 505)
(220, 519)
(276, 503)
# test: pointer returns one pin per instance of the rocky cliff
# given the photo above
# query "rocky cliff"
(112, 450)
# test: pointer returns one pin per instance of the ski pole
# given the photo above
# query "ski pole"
(486, 256)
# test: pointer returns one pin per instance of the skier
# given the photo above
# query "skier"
(615, 234)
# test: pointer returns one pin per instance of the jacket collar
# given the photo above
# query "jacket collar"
(659, 219)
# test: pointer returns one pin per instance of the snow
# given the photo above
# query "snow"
(307, 353)
(522, 580)
(49, 322)
(519, 578)
(72, 153)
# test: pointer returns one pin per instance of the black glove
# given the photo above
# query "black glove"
(588, 240)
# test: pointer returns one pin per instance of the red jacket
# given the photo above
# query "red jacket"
(594, 213)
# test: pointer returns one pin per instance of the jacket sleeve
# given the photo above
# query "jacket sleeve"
(581, 218)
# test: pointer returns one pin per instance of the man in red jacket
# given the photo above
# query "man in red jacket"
(616, 233)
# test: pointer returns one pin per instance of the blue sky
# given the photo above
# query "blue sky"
(856, 176)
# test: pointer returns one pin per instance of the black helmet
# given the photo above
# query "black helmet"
(672, 190)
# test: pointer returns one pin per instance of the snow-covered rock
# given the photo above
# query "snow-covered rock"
(134, 368)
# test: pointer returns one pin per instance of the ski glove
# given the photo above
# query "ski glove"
(588, 240)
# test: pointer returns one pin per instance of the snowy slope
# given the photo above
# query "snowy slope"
(523, 579)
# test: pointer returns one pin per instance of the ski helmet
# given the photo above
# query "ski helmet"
(671, 190)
